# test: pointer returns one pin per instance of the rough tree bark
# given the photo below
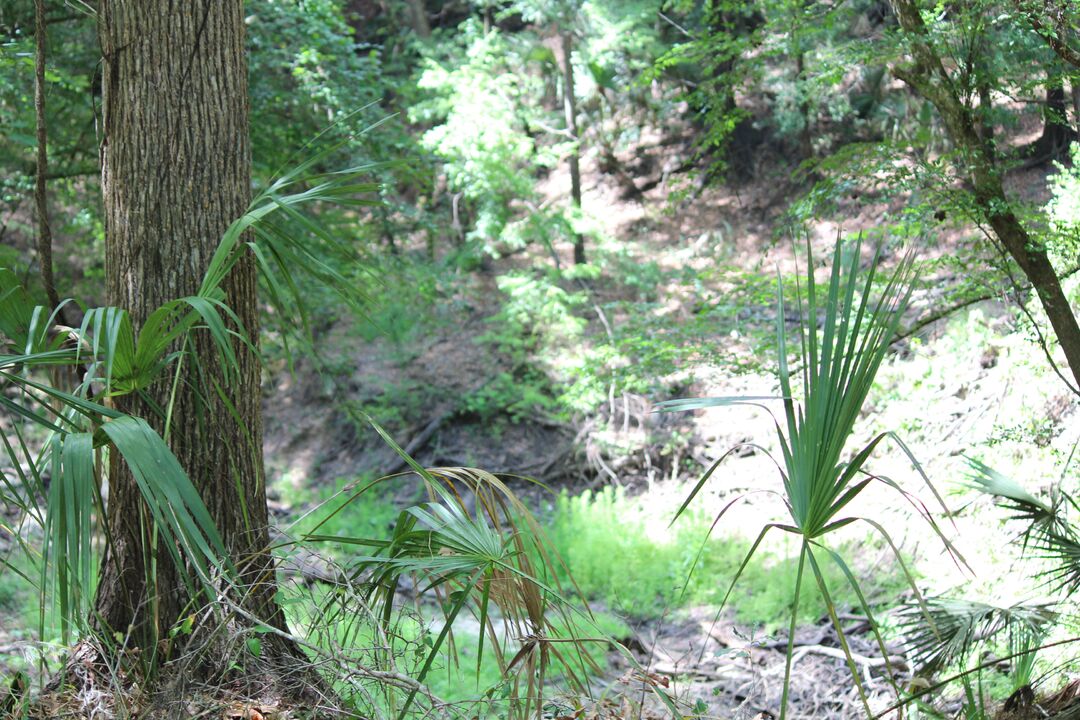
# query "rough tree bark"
(927, 76)
(41, 172)
(175, 172)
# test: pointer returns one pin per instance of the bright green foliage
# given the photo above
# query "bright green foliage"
(493, 562)
(1064, 210)
(622, 552)
(483, 160)
(306, 73)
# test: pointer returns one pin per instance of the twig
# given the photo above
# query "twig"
(1040, 337)
(676, 25)
(960, 305)
(782, 644)
(837, 653)
(729, 672)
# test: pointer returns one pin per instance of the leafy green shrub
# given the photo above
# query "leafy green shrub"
(515, 396)
(483, 160)
(1063, 209)
(538, 332)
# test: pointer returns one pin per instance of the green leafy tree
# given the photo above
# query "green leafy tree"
(978, 161)
(939, 138)
(174, 356)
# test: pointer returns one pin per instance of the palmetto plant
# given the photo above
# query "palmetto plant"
(839, 346)
(1047, 532)
(493, 561)
(960, 625)
(109, 359)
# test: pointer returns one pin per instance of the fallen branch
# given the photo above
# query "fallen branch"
(419, 441)
(861, 660)
(727, 672)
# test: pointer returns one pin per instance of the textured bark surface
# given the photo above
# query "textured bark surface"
(41, 171)
(175, 172)
(927, 76)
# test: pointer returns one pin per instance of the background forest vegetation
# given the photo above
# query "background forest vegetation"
(614, 358)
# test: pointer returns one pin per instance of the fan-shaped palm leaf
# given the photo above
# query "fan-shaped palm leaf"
(958, 625)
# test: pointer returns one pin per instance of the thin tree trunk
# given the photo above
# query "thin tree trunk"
(986, 115)
(176, 166)
(44, 238)
(926, 75)
(570, 112)
(1056, 134)
(1074, 88)
(806, 145)
(418, 18)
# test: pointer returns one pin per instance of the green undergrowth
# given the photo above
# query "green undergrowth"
(455, 675)
(621, 551)
(349, 508)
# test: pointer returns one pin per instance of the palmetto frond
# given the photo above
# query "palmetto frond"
(493, 557)
(1045, 527)
(117, 359)
(958, 625)
(839, 346)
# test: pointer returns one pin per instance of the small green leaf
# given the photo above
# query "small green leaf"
(254, 646)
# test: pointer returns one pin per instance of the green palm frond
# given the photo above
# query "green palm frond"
(493, 557)
(78, 429)
(960, 625)
(837, 371)
(286, 241)
(72, 511)
(842, 336)
(1045, 528)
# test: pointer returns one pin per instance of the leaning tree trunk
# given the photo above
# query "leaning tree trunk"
(176, 165)
(927, 76)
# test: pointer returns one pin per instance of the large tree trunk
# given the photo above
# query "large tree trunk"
(927, 76)
(176, 166)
